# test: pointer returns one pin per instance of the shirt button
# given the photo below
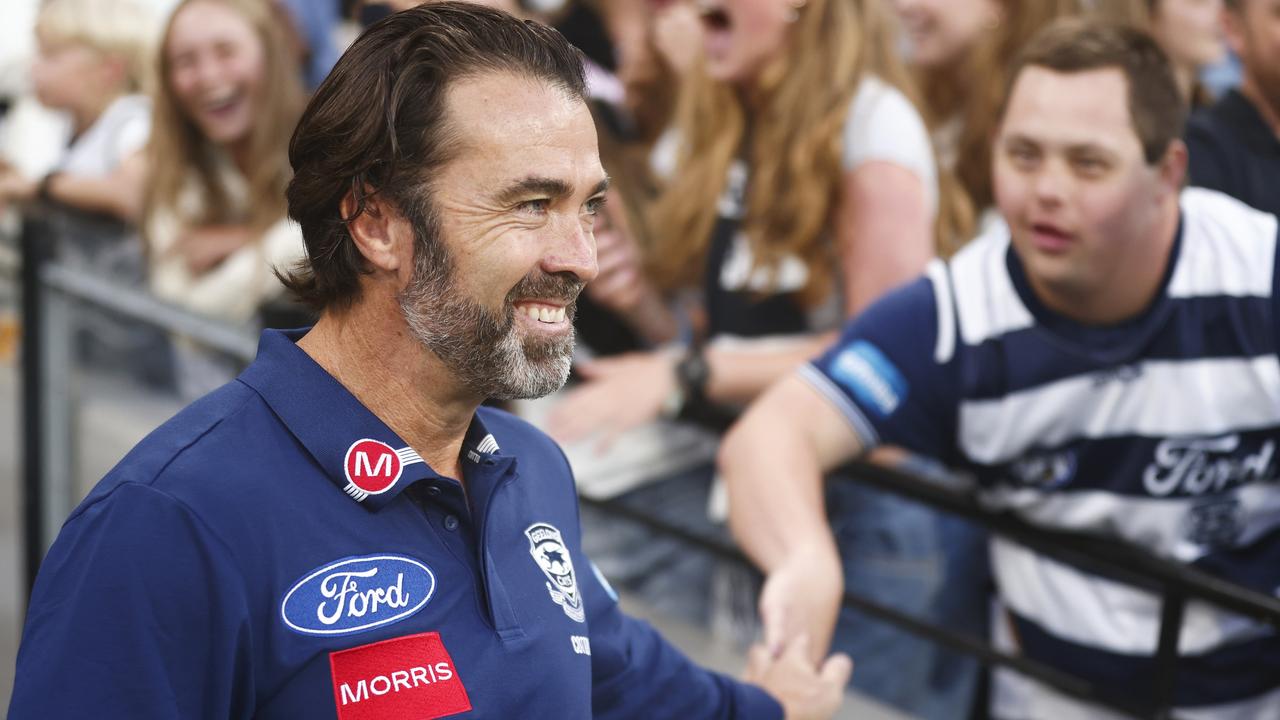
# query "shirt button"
(433, 490)
(450, 523)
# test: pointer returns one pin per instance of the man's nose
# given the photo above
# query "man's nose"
(1050, 183)
(572, 251)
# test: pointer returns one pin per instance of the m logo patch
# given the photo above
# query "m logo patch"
(410, 677)
(371, 467)
(546, 545)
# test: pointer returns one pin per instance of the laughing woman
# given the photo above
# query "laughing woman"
(804, 187)
(215, 224)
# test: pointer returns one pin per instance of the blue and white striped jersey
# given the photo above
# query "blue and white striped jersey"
(1162, 431)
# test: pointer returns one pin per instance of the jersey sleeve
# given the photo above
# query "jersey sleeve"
(892, 374)
(135, 614)
(883, 125)
(635, 672)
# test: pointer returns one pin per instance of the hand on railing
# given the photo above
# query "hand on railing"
(806, 691)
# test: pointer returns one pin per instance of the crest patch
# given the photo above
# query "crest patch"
(547, 547)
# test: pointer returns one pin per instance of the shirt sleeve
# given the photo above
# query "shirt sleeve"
(892, 374)
(135, 614)
(883, 125)
(133, 132)
(635, 672)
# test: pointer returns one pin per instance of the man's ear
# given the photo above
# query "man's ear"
(377, 229)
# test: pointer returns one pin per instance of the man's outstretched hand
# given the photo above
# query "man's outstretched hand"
(806, 692)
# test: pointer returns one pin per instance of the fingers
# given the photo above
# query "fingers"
(837, 670)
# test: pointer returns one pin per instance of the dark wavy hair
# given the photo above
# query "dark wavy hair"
(378, 125)
(1074, 45)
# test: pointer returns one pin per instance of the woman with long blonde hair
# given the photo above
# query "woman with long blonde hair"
(811, 104)
(804, 187)
(229, 94)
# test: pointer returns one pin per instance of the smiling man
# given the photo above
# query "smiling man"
(1105, 364)
(343, 532)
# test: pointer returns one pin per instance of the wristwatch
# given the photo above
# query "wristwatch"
(692, 372)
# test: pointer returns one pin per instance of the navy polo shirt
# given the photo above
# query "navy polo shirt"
(276, 551)
(1233, 150)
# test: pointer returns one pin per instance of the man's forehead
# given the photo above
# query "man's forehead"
(1089, 107)
(499, 106)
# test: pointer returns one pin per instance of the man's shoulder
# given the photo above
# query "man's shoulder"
(209, 440)
(1212, 214)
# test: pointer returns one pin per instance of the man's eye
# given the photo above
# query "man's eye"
(1022, 157)
(536, 207)
(1090, 166)
(595, 205)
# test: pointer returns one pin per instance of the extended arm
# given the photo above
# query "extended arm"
(773, 462)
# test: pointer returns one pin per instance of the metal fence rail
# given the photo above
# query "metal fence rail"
(48, 290)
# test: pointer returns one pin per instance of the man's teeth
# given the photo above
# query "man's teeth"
(542, 313)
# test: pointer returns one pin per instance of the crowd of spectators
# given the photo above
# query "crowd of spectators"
(777, 167)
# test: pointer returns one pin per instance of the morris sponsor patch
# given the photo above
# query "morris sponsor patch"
(865, 371)
(547, 547)
(357, 594)
(407, 678)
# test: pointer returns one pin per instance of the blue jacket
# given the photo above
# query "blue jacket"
(276, 551)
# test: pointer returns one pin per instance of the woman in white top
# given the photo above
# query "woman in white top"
(810, 102)
(230, 93)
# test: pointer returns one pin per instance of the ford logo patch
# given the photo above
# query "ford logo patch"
(357, 594)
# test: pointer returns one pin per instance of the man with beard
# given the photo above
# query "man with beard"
(343, 531)
(1235, 145)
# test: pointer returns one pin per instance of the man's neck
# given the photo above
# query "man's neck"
(372, 354)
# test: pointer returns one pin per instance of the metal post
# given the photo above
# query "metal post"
(57, 408)
(1171, 612)
(34, 251)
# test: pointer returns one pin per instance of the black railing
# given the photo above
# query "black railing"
(1175, 583)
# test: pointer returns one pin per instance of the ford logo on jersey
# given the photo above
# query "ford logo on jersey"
(357, 594)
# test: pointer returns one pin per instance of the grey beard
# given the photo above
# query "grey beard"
(483, 350)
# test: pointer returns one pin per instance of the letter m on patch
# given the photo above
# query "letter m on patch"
(366, 469)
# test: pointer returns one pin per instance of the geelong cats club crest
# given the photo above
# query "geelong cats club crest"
(546, 545)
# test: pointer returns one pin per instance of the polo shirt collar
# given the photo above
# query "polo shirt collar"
(357, 451)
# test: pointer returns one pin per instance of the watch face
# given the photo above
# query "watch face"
(693, 372)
